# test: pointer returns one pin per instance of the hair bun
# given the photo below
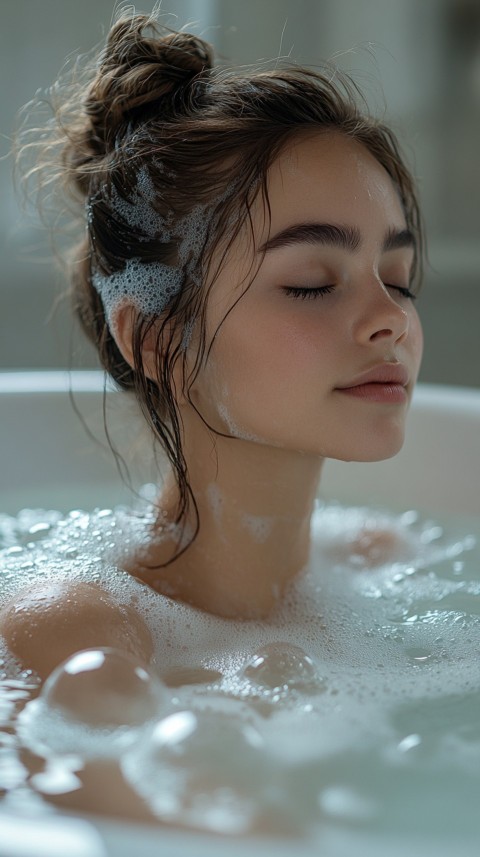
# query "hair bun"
(186, 52)
(140, 69)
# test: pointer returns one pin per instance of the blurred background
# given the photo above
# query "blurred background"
(417, 60)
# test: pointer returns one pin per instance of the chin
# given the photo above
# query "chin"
(376, 452)
(375, 456)
(372, 445)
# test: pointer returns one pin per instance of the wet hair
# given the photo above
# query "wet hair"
(152, 112)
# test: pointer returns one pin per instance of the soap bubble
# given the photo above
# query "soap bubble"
(206, 770)
(97, 703)
(279, 667)
(345, 804)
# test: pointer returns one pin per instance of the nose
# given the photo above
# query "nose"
(380, 317)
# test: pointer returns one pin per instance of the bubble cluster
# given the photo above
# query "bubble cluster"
(354, 705)
(149, 286)
(138, 211)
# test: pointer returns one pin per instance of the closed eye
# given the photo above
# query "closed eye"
(305, 293)
(403, 290)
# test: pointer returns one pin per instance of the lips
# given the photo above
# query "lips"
(385, 383)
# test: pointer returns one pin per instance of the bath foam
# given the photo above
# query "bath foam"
(216, 501)
(147, 286)
(172, 769)
(233, 428)
(315, 612)
(150, 286)
(138, 210)
(259, 526)
(388, 655)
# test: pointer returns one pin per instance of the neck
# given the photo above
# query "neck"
(254, 504)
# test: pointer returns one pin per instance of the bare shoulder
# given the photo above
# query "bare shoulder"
(378, 546)
(370, 547)
(46, 623)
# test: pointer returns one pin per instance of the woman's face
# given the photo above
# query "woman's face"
(328, 304)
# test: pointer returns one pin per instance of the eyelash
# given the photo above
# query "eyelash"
(320, 291)
(405, 292)
(306, 294)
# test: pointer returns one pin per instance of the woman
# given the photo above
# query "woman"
(249, 267)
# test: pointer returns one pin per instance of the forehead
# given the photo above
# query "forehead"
(330, 177)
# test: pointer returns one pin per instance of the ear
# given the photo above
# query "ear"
(123, 326)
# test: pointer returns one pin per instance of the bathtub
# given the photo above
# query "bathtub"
(53, 455)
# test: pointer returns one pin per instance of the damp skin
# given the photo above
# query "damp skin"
(295, 353)
(55, 618)
(271, 382)
(270, 386)
(267, 409)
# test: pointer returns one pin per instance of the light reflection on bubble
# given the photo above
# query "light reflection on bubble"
(207, 771)
(345, 804)
(283, 666)
(96, 703)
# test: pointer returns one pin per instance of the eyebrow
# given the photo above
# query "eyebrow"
(396, 239)
(333, 235)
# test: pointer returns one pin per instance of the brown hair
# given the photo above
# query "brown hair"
(152, 100)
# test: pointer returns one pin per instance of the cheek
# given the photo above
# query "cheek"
(269, 349)
(271, 366)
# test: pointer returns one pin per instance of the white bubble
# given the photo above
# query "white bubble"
(408, 743)
(282, 666)
(204, 770)
(344, 803)
(95, 704)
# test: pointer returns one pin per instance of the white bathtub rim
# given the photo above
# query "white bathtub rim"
(440, 449)
(35, 382)
(96, 381)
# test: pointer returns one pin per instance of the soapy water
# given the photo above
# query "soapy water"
(354, 705)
